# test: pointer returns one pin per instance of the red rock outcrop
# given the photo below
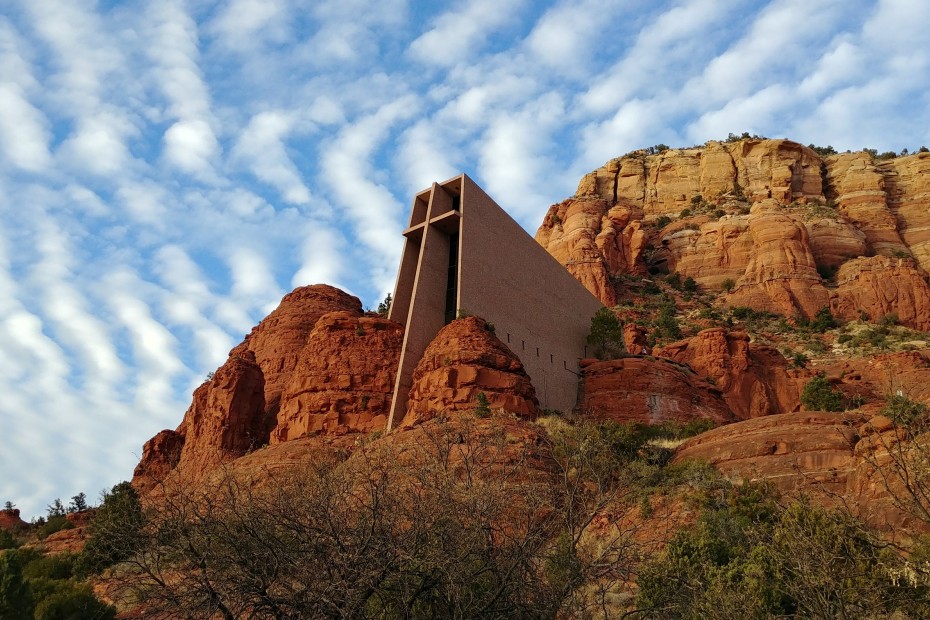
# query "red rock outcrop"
(907, 185)
(226, 419)
(465, 358)
(160, 455)
(755, 379)
(772, 255)
(715, 251)
(279, 338)
(808, 450)
(648, 390)
(859, 190)
(665, 183)
(781, 275)
(237, 410)
(10, 520)
(833, 240)
(879, 286)
(344, 378)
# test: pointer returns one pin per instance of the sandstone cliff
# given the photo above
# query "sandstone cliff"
(771, 216)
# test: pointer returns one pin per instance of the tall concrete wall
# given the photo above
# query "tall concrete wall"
(538, 309)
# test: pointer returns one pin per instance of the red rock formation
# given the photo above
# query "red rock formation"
(237, 409)
(10, 520)
(774, 254)
(755, 379)
(226, 419)
(279, 338)
(634, 339)
(907, 185)
(834, 240)
(344, 377)
(716, 251)
(666, 182)
(859, 190)
(810, 450)
(160, 455)
(570, 234)
(462, 360)
(781, 275)
(648, 390)
(879, 286)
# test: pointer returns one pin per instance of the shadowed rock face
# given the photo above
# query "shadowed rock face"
(755, 379)
(648, 390)
(462, 360)
(777, 254)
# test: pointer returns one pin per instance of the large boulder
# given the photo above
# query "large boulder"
(465, 359)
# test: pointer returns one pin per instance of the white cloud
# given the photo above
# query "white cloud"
(261, 147)
(459, 34)
(373, 210)
(244, 23)
(98, 146)
(190, 145)
(24, 134)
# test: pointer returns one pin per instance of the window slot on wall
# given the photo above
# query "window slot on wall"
(456, 203)
(508, 338)
(565, 364)
(452, 278)
(551, 358)
(537, 351)
(523, 344)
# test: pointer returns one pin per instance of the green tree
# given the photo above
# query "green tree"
(689, 285)
(384, 308)
(73, 601)
(9, 507)
(666, 323)
(15, 597)
(606, 335)
(819, 395)
(78, 503)
(114, 530)
(56, 509)
(6, 540)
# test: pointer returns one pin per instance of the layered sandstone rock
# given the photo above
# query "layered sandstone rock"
(791, 450)
(666, 182)
(648, 390)
(907, 184)
(718, 250)
(755, 379)
(278, 339)
(781, 275)
(880, 286)
(570, 233)
(463, 360)
(834, 241)
(859, 190)
(344, 377)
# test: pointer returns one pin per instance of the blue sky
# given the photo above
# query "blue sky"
(168, 170)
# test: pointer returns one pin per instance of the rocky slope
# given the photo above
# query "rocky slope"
(770, 218)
